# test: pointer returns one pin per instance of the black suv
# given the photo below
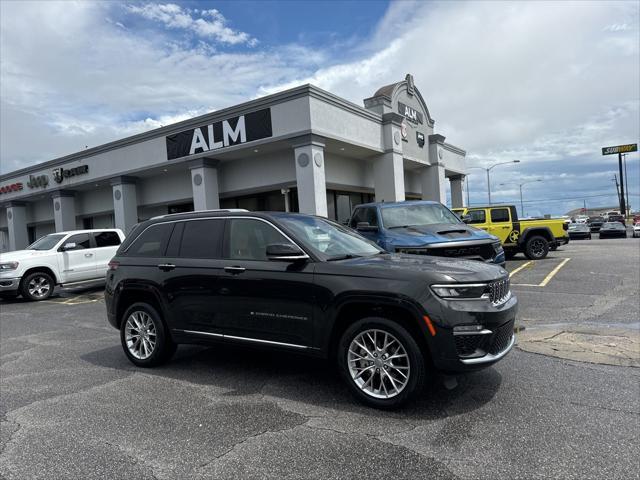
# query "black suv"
(307, 284)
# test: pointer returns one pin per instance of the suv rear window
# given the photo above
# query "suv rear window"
(202, 239)
(106, 239)
(152, 242)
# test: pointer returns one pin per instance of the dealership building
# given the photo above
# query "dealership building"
(300, 150)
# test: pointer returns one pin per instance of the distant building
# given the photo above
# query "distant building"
(592, 212)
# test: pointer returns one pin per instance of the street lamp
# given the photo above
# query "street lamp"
(488, 169)
(520, 185)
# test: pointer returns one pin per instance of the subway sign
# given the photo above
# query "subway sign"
(215, 136)
(632, 147)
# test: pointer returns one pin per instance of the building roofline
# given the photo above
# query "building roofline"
(218, 115)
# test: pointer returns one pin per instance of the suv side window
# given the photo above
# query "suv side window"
(477, 216)
(367, 214)
(152, 242)
(500, 215)
(106, 239)
(81, 240)
(202, 239)
(247, 239)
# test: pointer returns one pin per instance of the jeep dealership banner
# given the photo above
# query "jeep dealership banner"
(233, 131)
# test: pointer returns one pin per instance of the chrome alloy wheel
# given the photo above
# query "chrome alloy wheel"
(378, 364)
(140, 335)
(39, 287)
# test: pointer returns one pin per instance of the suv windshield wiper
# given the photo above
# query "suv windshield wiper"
(346, 256)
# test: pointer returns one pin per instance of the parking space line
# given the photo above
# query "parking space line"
(524, 265)
(547, 279)
(553, 272)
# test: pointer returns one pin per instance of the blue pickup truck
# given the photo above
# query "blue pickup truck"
(424, 228)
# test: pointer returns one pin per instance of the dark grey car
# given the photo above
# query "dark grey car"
(613, 229)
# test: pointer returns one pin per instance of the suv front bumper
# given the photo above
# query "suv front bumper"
(9, 284)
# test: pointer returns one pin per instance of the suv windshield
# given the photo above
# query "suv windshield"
(45, 243)
(328, 239)
(417, 214)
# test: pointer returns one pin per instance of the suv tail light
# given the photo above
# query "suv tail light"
(113, 265)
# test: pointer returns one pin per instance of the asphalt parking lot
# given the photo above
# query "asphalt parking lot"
(73, 407)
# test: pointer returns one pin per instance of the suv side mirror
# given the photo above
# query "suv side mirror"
(366, 227)
(466, 218)
(68, 246)
(285, 252)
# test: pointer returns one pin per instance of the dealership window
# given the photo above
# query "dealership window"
(180, 208)
(500, 215)
(340, 204)
(272, 201)
(87, 223)
(31, 233)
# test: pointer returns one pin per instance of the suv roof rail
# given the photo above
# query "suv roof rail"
(227, 210)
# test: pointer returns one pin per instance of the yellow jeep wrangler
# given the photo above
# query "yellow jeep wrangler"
(534, 237)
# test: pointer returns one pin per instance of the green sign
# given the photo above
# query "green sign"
(632, 147)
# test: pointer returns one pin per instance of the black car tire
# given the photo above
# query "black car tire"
(416, 362)
(37, 286)
(163, 347)
(536, 247)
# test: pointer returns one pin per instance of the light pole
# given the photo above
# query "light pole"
(520, 186)
(488, 169)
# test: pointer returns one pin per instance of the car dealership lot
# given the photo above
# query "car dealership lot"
(73, 406)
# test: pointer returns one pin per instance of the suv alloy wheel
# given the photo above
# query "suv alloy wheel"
(536, 247)
(37, 286)
(143, 336)
(381, 362)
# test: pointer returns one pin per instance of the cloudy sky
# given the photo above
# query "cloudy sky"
(545, 83)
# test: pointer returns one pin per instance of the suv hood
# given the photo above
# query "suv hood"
(440, 269)
(436, 233)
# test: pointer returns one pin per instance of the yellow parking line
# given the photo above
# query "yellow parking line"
(524, 265)
(553, 272)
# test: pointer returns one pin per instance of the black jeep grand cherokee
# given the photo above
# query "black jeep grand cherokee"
(307, 284)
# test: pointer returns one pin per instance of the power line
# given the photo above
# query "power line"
(569, 198)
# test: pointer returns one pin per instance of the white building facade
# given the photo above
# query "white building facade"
(303, 150)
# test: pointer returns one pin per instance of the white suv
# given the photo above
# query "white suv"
(62, 258)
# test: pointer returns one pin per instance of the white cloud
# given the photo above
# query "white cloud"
(211, 23)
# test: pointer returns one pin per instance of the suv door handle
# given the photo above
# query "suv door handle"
(235, 270)
(166, 266)
(88, 255)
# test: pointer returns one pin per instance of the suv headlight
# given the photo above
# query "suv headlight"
(8, 266)
(457, 291)
(497, 247)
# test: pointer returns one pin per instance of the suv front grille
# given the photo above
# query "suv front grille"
(501, 338)
(499, 292)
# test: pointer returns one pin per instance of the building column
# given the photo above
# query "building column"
(204, 184)
(457, 191)
(312, 189)
(17, 223)
(432, 179)
(388, 168)
(64, 210)
(125, 203)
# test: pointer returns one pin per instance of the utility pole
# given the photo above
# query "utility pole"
(623, 203)
(624, 155)
(615, 179)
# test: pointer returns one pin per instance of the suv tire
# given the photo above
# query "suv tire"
(37, 286)
(536, 247)
(385, 377)
(144, 337)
